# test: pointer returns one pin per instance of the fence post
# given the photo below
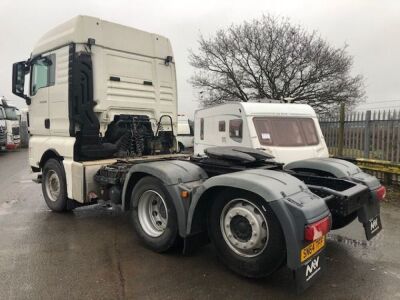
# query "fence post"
(367, 135)
(341, 130)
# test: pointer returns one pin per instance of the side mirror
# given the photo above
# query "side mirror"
(20, 69)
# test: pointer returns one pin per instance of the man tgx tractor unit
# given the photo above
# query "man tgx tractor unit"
(103, 118)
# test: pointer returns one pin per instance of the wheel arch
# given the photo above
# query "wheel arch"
(50, 153)
(325, 166)
(172, 174)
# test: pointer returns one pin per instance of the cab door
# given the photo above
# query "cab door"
(42, 76)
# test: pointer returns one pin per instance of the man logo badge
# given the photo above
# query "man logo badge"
(312, 268)
(374, 224)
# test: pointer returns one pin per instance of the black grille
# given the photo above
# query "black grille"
(2, 135)
(15, 130)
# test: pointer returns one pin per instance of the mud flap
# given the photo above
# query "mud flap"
(369, 216)
(372, 227)
(310, 271)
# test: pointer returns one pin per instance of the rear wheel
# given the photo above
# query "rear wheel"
(54, 186)
(246, 233)
(153, 214)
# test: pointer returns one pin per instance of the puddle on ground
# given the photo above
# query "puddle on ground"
(348, 241)
(356, 243)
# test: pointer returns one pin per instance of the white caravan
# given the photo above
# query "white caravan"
(185, 135)
(289, 132)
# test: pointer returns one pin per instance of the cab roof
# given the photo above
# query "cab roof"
(107, 34)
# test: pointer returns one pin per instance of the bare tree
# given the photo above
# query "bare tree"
(271, 58)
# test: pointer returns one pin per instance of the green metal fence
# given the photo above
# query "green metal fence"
(374, 135)
(372, 138)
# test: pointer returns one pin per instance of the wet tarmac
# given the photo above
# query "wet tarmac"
(92, 253)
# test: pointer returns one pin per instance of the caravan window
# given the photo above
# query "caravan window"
(236, 130)
(286, 132)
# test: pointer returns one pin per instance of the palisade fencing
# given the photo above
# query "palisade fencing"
(373, 135)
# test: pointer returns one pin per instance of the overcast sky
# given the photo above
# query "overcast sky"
(371, 28)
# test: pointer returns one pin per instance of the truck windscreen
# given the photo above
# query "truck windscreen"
(286, 132)
(11, 113)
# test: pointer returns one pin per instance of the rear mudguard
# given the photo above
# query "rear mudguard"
(344, 170)
(289, 198)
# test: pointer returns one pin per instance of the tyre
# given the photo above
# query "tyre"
(246, 234)
(153, 214)
(54, 186)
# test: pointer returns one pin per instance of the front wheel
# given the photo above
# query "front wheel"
(54, 186)
(246, 234)
(153, 214)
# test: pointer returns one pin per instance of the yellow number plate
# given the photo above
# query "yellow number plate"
(313, 248)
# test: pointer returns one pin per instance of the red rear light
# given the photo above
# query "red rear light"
(381, 193)
(316, 230)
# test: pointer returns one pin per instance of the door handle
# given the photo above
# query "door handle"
(47, 123)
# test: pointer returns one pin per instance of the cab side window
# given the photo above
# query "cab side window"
(43, 73)
(236, 130)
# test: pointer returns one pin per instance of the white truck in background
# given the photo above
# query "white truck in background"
(288, 132)
(185, 136)
(103, 118)
(12, 127)
(3, 129)
(24, 124)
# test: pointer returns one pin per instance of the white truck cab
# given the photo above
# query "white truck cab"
(98, 91)
(9, 126)
(289, 132)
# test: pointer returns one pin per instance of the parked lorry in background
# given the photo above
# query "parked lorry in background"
(185, 136)
(103, 122)
(3, 129)
(12, 125)
(24, 124)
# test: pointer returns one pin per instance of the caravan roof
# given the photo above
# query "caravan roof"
(265, 109)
